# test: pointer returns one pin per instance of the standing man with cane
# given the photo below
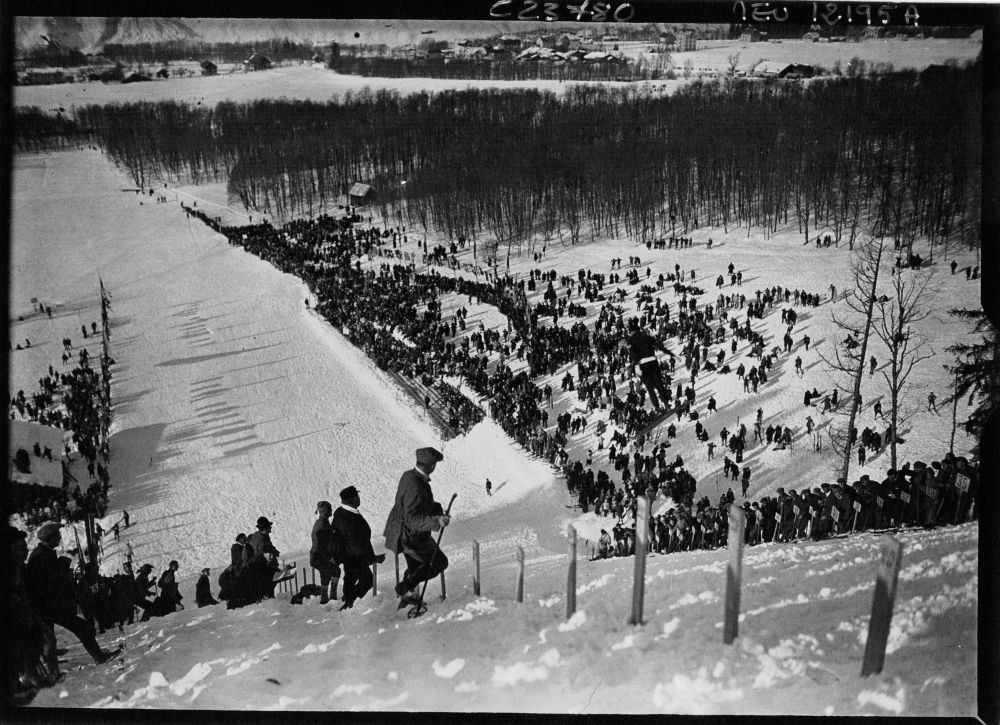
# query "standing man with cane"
(414, 515)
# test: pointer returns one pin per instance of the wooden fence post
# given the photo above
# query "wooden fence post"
(520, 575)
(571, 574)
(885, 596)
(296, 565)
(639, 570)
(734, 573)
(475, 576)
(374, 578)
(444, 589)
(313, 576)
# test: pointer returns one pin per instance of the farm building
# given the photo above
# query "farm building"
(208, 68)
(686, 41)
(256, 62)
(135, 78)
(769, 69)
(510, 42)
(360, 194)
(750, 35)
(566, 42)
(163, 73)
(812, 37)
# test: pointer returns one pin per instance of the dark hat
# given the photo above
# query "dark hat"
(206, 570)
(429, 456)
(49, 532)
(348, 493)
(263, 523)
(780, 489)
(841, 480)
(146, 567)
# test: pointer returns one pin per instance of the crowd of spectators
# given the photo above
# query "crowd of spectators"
(944, 493)
(394, 313)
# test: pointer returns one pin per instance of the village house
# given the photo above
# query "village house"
(256, 62)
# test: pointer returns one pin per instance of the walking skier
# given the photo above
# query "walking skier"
(414, 515)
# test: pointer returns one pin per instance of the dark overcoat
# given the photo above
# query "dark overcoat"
(413, 517)
(357, 537)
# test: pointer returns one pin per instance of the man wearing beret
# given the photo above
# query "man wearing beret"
(322, 555)
(51, 593)
(413, 517)
(358, 554)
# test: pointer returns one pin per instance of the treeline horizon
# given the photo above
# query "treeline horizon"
(896, 155)
(501, 70)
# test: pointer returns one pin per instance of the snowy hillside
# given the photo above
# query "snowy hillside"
(233, 400)
(803, 630)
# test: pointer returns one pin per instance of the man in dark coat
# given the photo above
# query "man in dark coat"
(170, 595)
(413, 517)
(51, 594)
(358, 554)
(142, 591)
(261, 543)
(203, 590)
(322, 555)
(642, 352)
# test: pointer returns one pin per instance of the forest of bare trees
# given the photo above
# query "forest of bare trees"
(895, 156)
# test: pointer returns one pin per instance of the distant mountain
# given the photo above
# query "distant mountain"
(89, 35)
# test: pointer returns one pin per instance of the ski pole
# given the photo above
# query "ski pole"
(421, 607)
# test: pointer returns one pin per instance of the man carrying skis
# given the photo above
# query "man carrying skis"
(413, 517)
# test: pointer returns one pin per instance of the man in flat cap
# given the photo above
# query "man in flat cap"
(51, 593)
(413, 517)
(358, 554)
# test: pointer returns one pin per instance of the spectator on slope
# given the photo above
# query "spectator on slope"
(51, 593)
(324, 555)
(143, 585)
(170, 596)
(413, 517)
(203, 590)
(32, 642)
(260, 541)
(642, 352)
(358, 554)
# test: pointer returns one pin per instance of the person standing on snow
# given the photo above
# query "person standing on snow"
(260, 542)
(358, 554)
(413, 517)
(203, 590)
(322, 556)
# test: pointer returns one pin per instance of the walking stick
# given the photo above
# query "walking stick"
(420, 608)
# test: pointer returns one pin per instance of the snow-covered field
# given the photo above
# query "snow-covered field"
(234, 401)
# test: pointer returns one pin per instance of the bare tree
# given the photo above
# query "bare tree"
(898, 313)
(734, 61)
(849, 355)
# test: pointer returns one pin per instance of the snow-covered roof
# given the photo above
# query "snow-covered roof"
(359, 189)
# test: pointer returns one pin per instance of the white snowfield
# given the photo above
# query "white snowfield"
(233, 401)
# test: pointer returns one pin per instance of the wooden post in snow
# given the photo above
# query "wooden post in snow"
(520, 575)
(571, 573)
(734, 574)
(639, 571)
(885, 597)
(444, 588)
(374, 578)
(475, 576)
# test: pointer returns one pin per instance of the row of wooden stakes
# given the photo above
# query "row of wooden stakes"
(878, 633)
